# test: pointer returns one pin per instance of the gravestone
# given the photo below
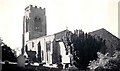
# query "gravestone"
(21, 61)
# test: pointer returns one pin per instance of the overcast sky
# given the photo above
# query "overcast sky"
(88, 15)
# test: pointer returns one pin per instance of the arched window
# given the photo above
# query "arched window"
(39, 52)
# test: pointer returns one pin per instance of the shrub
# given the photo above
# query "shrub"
(106, 61)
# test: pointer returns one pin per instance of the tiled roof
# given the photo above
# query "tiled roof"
(112, 41)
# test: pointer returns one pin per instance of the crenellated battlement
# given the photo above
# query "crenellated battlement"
(31, 6)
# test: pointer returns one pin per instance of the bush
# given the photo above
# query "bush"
(106, 61)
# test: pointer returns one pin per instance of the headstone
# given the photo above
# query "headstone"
(21, 61)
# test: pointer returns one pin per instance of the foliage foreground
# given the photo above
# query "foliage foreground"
(106, 61)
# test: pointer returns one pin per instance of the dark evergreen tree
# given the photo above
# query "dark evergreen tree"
(8, 54)
(84, 47)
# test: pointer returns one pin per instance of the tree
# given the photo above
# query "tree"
(84, 47)
(8, 54)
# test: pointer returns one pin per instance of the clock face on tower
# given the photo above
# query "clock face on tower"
(37, 24)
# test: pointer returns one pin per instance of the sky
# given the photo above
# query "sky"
(88, 15)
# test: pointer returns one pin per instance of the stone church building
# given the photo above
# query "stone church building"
(52, 49)
(37, 45)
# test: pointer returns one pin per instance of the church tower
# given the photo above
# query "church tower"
(34, 24)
